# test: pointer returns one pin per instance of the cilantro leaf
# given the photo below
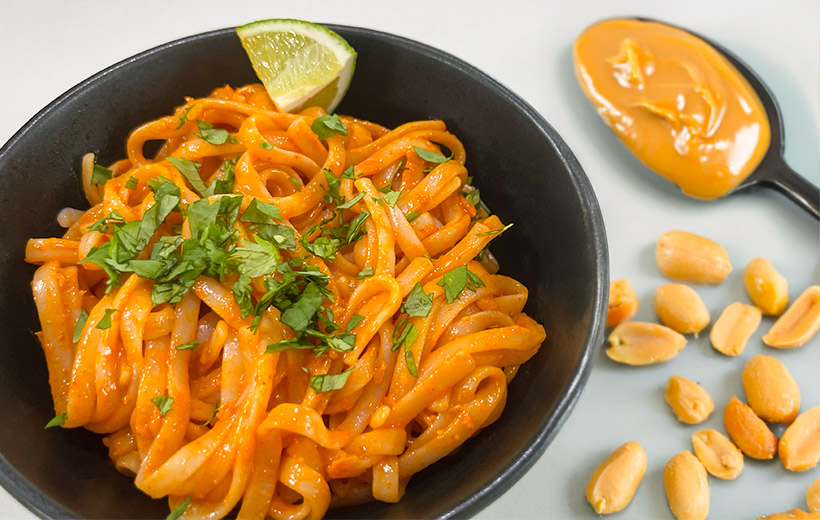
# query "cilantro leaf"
(78, 326)
(299, 315)
(100, 174)
(280, 234)
(495, 231)
(259, 212)
(411, 216)
(333, 187)
(349, 173)
(329, 382)
(213, 414)
(184, 117)
(323, 247)
(191, 345)
(105, 322)
(411, 362)
(391, 197)
(328, 126)
(405, 334)
(343, 342)
(131, 183)
(354, 320)
(455, 281)
(352, 202)
(255, 259)
(431, 156)
(366, 272)
(242, 291)
(163, 402)
(180, 509)
(150, 268)
(287, 344)
(58, 420)
(189, 170)
(266, 145)
(215, 136)
(356, 229)
(418, 303)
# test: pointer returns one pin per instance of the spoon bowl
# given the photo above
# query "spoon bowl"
(772, 172)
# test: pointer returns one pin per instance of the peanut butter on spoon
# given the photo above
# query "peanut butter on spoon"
(675, 102)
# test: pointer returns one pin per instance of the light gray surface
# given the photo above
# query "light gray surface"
(46, 47)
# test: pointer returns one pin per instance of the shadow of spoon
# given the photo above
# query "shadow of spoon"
(772, 172)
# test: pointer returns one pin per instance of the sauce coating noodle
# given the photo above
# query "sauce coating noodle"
(211, 405)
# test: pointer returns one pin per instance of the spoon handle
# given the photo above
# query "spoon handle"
(794, 186)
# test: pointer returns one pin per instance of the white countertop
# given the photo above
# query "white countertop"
(47, 47)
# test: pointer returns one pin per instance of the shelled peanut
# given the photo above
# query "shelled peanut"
(691, 258)
(813, 496)
(641, 343)
(613, 484)
(799, 323)
(680, 308)
(688, 400)
(748, 431)
(720, 457)
(799, 445)
(771, 391)
(767, 288)
(623, 304)
(687, 487)
(733, 328)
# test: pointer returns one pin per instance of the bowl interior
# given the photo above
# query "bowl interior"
(525, 172)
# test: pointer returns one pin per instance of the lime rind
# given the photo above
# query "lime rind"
(299, 61)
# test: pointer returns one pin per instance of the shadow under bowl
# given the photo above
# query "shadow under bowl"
(526, 174)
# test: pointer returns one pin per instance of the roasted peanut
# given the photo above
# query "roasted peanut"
(799, 323)
(612, 486)
(800, 443)
(691, 258)
(766, 287)
(640, 343)
(771, 391)
(748, 431)
(687, 488)
(623, 304)
(793, 514)
(718, 454)
(813, 496)
(680, 308)
(688, 400)
(733, 328)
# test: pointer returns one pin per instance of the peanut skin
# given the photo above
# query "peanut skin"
(612, 486)
(687, 488)
(748, 431)
(800, 443)
(680, 308)
(623, 304)
(771, 391)
(687, 257)
(767, 288)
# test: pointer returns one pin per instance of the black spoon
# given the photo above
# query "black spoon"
(772, 172)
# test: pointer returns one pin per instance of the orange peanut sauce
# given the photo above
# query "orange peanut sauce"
(675, 102)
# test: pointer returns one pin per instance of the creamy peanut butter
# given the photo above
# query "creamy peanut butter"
(675, 102)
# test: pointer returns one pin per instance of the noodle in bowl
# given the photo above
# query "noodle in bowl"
(344, 441)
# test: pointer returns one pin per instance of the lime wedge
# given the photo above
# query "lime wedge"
(300, 63)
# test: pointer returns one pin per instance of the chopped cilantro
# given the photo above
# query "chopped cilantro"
(328, 126)
(366, 272)
(412, 216)
(349, 173)
(495, 231)
(79, 325)
(259, 212)
(266, 145)
(131, 183)
(352, 202)
(431, 156)
(211, 135)
(100, 174)
(184, 117)
(391, 197)
(163, 402)
(58, 420)
(180, 509)
(418, 303)
(329, 382)
(354, 320)
(105, 322)
(455, 281)
(191, 345)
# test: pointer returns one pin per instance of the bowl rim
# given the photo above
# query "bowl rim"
(45, 507)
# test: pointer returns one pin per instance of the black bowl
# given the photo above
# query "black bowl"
(526, 174)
